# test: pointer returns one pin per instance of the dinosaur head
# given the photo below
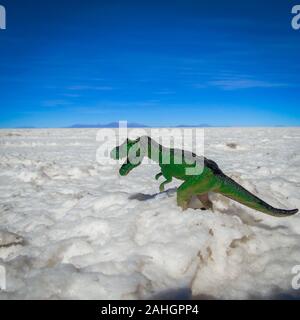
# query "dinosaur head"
(131, 150)
(122, 151)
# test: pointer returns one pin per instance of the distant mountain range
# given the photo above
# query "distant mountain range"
(133, 125)
(202, 125)
(109, 125)
(25, 127)
(139, 125)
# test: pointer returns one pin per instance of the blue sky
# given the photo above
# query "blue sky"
(225, 63)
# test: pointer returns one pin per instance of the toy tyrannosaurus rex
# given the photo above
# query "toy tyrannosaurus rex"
(206, 177)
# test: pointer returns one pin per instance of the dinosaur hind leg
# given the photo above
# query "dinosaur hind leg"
(204, 198)
(185, 193)
(199, 186)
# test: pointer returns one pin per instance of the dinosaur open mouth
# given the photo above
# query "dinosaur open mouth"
(125, 169)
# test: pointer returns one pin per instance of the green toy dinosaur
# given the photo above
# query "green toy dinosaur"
(206, 177)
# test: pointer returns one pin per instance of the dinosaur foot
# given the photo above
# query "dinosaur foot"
(183, 205)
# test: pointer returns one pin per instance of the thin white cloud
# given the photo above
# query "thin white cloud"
(236, 84)
(71, 95)
(55, 103)
(165, 92)
(85, 87)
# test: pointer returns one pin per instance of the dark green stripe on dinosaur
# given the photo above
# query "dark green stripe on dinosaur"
(200, 175)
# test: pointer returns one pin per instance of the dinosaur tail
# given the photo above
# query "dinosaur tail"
(234, 191)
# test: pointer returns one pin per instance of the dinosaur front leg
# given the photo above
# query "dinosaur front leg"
(158, 176)
(162, 186)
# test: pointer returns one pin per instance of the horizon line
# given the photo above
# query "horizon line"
(149, 127)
